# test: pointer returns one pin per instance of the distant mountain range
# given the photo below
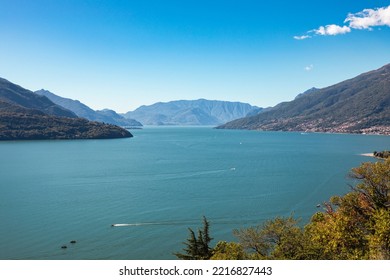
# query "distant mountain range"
(14, 94)
(191, 112)
(358, 105)
(83, 111)
(25, 115)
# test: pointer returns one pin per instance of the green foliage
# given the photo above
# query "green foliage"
(379, 240)
(229, 251)
(374, 190)
(354, 226)
(336, 236)
(197, 248)
(275, 239)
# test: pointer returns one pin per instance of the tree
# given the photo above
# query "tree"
(356, 225)
(279, 238)
(374, 188)
(335, 235)
(353, 226)
(229, 251)
(197, 248)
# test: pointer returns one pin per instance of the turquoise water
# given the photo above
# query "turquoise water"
(161, 182)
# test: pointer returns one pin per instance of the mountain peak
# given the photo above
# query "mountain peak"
(309, 91)
(83, 111)
(357, 105)
(190, 112)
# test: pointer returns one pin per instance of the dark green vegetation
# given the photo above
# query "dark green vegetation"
(383, 154)
(351, 227)
(83, 111)
(25, 115)
(358, 105)
(197, 248)
(191, 112)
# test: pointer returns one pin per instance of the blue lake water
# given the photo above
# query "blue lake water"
(161, 182)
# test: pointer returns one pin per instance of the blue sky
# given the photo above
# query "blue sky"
(122, 54)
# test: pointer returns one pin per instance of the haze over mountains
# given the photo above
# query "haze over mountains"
(14, 94)
(191, 112)
(83, 111)
(181, 112)
(357, 105)
(25, 115)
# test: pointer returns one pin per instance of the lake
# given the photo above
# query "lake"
(161, 182)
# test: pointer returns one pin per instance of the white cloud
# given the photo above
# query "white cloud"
(309, 67)
(365, 19)
(369, 18)
(332, 29)
(303, 37)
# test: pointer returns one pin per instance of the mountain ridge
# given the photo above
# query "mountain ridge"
(15, 94)
(25, 115)
(357, 105)
(190, 112)
(83, 111)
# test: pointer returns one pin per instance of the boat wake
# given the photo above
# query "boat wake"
(135, 224)
(149, 224)
(215, 221)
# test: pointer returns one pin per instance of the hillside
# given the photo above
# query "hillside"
(25, 115)
(358, 105)
(14, 94)
(190, 112)
(83, 111)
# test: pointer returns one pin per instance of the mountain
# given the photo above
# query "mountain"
(190, 112)
(311, 90)
(25, 115)
(83, 111)
(110, 116)
(357, 105)
(14, 94)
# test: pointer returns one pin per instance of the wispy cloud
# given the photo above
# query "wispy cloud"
(303, 37)
(309, 67)
(365, 19)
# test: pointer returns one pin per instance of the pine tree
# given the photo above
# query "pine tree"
(204, 240)
(192, 248)
(197, 248)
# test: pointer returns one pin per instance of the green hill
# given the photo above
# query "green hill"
(25, 115)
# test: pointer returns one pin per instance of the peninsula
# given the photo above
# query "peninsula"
(25, 115)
